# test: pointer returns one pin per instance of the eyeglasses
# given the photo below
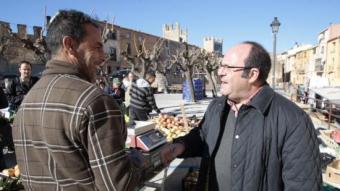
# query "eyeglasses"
(238, 68)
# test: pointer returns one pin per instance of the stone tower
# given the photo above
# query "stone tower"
(212, 44)
(175, 33)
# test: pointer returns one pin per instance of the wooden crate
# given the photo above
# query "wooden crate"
(332, 174)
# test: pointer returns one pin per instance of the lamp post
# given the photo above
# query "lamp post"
(275, 29)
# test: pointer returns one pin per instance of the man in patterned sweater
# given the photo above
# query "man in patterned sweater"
(142, 99)
(68, 134)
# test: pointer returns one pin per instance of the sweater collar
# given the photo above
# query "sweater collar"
(61, 67)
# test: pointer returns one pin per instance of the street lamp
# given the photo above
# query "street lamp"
(275, 29)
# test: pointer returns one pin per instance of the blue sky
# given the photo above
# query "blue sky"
(232, 20)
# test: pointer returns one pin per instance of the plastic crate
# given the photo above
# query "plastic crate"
(198, 90)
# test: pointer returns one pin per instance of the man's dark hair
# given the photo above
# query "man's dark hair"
(25, 62)
(67, 23)
(149, 75)
(258, 58)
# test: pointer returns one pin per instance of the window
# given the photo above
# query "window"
(113, 54)
(109, 70)
(128, 49)
(140, 39)
(112, 35)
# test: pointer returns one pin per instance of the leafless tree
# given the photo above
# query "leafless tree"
(186, 59)
(4, 42)
(145, 59)
(209, 63)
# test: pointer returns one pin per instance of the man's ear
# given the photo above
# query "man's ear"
(69, 45)
(253, 75)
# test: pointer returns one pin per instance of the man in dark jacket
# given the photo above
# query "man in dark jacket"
(7, 155)
(69, 134)
(3, 100)
(20, 85)
(251, 138)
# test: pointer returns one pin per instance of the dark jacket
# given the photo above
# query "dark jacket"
(276, 147)
(70, 135)
(7, 155)
(3, 100)
(118, 94)
(17, 90)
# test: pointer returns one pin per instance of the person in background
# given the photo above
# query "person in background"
(104, 87)
(7, 153)
(3, 99)
(19, 87)
(127, 98)
(251, 138)
(101, 85)
(69, 134)
(127, 85)
(125, 82)
(118, 92)
(142, 100)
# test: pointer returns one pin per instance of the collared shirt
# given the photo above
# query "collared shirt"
(236, 106)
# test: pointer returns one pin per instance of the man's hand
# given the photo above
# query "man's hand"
(137, 158)
(170, 152)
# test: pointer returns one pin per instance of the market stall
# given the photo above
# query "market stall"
(330, 156)
(150, 136)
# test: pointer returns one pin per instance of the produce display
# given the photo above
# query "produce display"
(174, 127)
(12, 172)
(10, 179)
(335, 135)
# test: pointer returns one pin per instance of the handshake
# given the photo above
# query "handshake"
(168, 153)
(137, 158)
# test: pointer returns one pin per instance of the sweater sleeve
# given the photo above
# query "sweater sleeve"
(151, 100)
(192, 142)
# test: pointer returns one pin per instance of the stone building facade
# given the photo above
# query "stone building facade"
(332, 66)
(14, 52)
(175, 33)
(117, 40)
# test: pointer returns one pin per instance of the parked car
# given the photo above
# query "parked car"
(327, 100)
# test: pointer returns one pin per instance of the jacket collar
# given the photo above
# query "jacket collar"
(263, 98)
(62, 67)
